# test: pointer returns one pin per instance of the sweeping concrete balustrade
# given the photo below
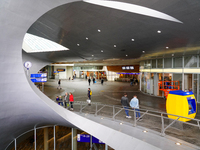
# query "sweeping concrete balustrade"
(153, 120)
(114, 116)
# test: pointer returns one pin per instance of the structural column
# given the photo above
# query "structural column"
(74, 140)
(46, 138)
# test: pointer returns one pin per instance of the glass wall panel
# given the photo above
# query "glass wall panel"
(195, 84)
(177, 62)
(178, 77)
(159, 63)
(153, 63)
(143, 82)
(142, 65)
(160, 78)
(147, 64)
(190, 61)
(168, 63)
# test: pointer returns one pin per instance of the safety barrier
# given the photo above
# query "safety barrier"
(154, 120)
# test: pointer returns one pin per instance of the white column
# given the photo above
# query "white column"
(74, 141)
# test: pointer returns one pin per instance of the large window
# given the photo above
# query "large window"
(147, 64)
(190, 61)
(154, 63)
(159, 63)
(168, 63)
(178, 77)
(177, 62)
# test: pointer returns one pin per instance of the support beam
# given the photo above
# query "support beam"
(74, 140)
(46, 138)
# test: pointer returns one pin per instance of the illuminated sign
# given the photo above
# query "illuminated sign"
(39, 80)
(60, 70)
(127, 67)
(39, 77)
(86, 138)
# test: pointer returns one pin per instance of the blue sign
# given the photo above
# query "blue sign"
(39, 80)
(39, 75)
(86, 138)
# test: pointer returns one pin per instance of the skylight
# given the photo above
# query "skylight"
(133, 9)
(33, 44)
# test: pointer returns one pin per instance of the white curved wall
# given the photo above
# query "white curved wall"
(20, 107)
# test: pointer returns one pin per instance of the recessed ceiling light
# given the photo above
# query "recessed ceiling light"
(167, 47)
(115, 46)
(102, 51)
(145, 131)
(178, 143)
(143, 51)
(126, 55)
(120, 123)
(78, 44)
(99, 30)
(132, 40)
(92, 55)
(159, 31)
(86, 38)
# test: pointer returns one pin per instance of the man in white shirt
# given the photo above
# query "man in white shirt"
(135, 104)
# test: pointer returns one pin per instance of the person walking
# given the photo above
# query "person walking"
(89, 93)
(59, 82)
(93, 80)
(66, 100)
(102, 81)
(125, 104)
(89, 96)
(135, 105)
(89, 80)
(71, 100)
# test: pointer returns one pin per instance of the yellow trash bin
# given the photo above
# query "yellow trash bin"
(182, 104)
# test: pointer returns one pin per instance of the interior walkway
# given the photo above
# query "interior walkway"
(110, 93)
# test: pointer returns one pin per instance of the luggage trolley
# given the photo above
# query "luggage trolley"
(167, 86)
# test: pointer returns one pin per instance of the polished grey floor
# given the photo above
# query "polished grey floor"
(110, 93)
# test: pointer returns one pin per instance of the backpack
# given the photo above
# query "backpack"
(90, 92)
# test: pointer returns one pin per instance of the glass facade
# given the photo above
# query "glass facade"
(168, 63)
(180, 72)
(177, 62)
(159, 63)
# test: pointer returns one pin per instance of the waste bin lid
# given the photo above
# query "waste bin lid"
(180, 92)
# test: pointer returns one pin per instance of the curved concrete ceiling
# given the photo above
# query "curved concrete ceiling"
(21, 108)
(79, 22)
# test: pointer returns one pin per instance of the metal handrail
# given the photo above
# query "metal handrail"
(150, 113)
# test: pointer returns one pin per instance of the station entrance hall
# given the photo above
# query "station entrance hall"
(98, 74)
